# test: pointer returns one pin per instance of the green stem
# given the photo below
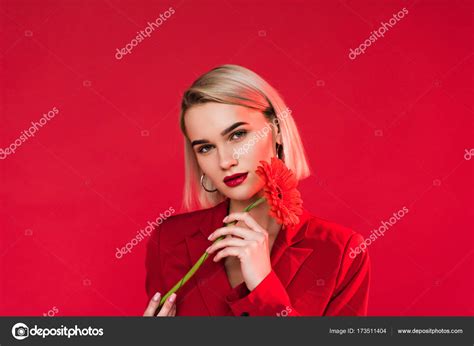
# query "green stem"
(204, 256)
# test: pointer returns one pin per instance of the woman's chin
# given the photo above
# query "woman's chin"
(243, 194)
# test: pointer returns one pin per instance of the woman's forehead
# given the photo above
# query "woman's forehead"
(211, 118)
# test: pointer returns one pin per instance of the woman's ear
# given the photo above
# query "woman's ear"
(276, 129)
(278, 138)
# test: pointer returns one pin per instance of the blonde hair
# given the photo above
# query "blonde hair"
(236, 85)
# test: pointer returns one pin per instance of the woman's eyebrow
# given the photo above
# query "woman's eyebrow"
(230, 128)
(223, 133)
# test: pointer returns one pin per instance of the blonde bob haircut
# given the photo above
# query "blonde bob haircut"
(236, 85)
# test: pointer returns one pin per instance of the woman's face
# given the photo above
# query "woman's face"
(230, 139)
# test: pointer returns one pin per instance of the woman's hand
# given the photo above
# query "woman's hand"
(168, 308)
(250, 245)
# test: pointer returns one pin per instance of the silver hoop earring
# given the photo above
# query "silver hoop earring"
(202, 184)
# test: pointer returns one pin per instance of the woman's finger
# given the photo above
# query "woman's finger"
(153, 305)
(241, 232)
(247, 219)
(228, 251)
(226, 242)
(173, 311)
(166, 308)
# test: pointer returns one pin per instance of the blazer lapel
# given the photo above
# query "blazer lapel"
(211, 277)
(286, 258)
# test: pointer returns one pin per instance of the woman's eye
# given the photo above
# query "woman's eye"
(239, 134)
(236, 135)
(201, 149)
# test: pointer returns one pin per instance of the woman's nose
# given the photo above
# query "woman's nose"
(227, 159)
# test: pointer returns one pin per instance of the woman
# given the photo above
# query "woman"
(231, 119)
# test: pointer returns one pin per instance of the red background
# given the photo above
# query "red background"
(386, 130)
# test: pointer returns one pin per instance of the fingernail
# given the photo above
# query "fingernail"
(209, 238)
(156, 297)
(172, 298)
(226, 218)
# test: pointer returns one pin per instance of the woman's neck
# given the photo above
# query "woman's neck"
(260, 213)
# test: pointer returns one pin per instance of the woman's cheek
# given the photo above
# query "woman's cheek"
(262, 149)
(205, 165)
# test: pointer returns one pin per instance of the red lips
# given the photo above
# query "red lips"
(235, 179)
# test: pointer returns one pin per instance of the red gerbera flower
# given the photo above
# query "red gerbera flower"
(280, 191)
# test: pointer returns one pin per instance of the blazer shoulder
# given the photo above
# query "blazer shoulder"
(331, 234)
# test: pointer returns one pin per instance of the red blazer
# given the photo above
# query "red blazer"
(314, 269)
